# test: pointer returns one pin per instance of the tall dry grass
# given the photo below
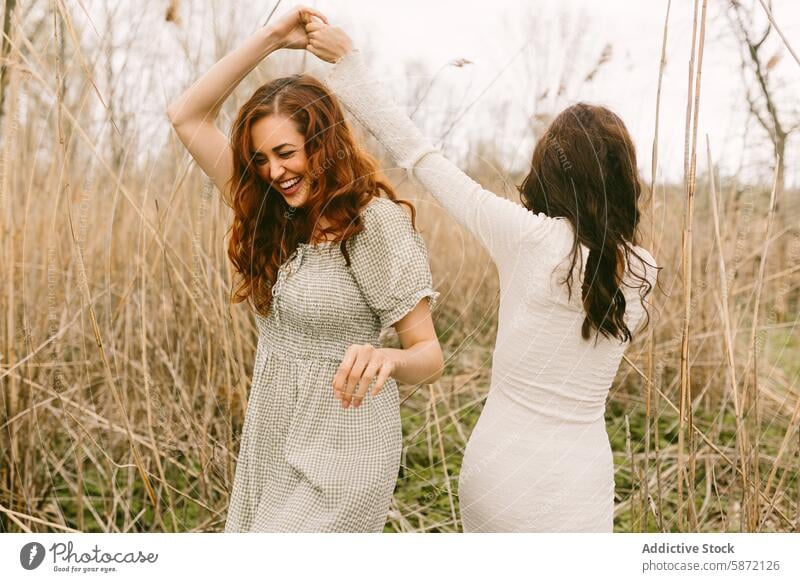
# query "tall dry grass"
(125, 372)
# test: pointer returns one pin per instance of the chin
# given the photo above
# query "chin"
(297, 201)
(294, 203)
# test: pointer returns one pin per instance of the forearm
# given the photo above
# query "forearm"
(203, 100)
(370, 102)
(498, 223)
(422, 363)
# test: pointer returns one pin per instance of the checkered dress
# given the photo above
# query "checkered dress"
(305, 463)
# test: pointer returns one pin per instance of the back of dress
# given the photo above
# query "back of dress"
(541, 361)
(539, 458)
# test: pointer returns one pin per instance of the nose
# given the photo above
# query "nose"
(276, 170)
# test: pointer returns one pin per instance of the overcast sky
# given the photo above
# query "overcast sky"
(493, 34)
(521, 52)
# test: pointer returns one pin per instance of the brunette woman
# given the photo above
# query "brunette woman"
(572, 286)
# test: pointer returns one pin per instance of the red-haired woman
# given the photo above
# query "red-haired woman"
(327, 264)
(572, 288)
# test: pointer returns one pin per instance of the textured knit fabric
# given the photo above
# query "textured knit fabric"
(305, 463)
(539, 458)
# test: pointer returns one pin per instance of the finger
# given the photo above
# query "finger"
(340, 378)
(314, 26)
(356, 371)
(366, 379)
(309, 12)
(383, 375)
(317, 52)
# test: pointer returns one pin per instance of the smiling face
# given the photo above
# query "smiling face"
(280, 157)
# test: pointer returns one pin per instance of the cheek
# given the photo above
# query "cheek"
(300, 164)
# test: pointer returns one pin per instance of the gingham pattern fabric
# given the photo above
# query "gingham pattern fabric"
(305, 463)
(539, 458)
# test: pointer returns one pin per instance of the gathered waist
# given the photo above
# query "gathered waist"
(292, 343)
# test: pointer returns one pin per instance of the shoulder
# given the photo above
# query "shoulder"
(382, 215)
(557, 233)
(386, 228)
(383, 208)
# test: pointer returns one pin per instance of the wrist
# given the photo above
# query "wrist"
(396, 357)
(271, 40)
(346, 50)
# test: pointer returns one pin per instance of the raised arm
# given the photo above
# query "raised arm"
(498, 223)
(193, 113)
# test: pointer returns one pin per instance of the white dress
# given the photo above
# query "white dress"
(539, 458)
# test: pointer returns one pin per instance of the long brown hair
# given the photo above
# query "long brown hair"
(584, 169)
(342, 180)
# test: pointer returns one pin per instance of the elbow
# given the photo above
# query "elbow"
(172, 114)
(438, 368)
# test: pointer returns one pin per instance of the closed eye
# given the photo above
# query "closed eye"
(286, 155)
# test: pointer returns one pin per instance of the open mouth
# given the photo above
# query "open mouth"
(291, 186)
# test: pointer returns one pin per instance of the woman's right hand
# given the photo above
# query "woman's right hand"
(290, 29)
(329, 43)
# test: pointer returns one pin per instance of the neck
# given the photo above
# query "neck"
(317, 237)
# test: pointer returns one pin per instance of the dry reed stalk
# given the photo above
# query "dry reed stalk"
(707, 497)
(14, 515)
(442, 454)
(692, 113)
(724, 310)
(90, 142)
(702, 435)
(84, 286)
(784, 447)
(669, 475)
(780, 33)
(651, 422)
(634, 477)
(146, 379)
(7, 268)
(753, 508)
(684, 371)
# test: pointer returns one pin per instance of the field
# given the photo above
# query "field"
(125, 371)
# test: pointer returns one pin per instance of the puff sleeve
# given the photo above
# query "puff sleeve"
(389, 261)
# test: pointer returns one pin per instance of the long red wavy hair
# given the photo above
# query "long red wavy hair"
(342, 180)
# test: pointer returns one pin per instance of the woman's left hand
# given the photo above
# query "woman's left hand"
(290, 29)
(329, 43)
(361, 364)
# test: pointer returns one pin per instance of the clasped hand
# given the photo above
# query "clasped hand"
(298, 29)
